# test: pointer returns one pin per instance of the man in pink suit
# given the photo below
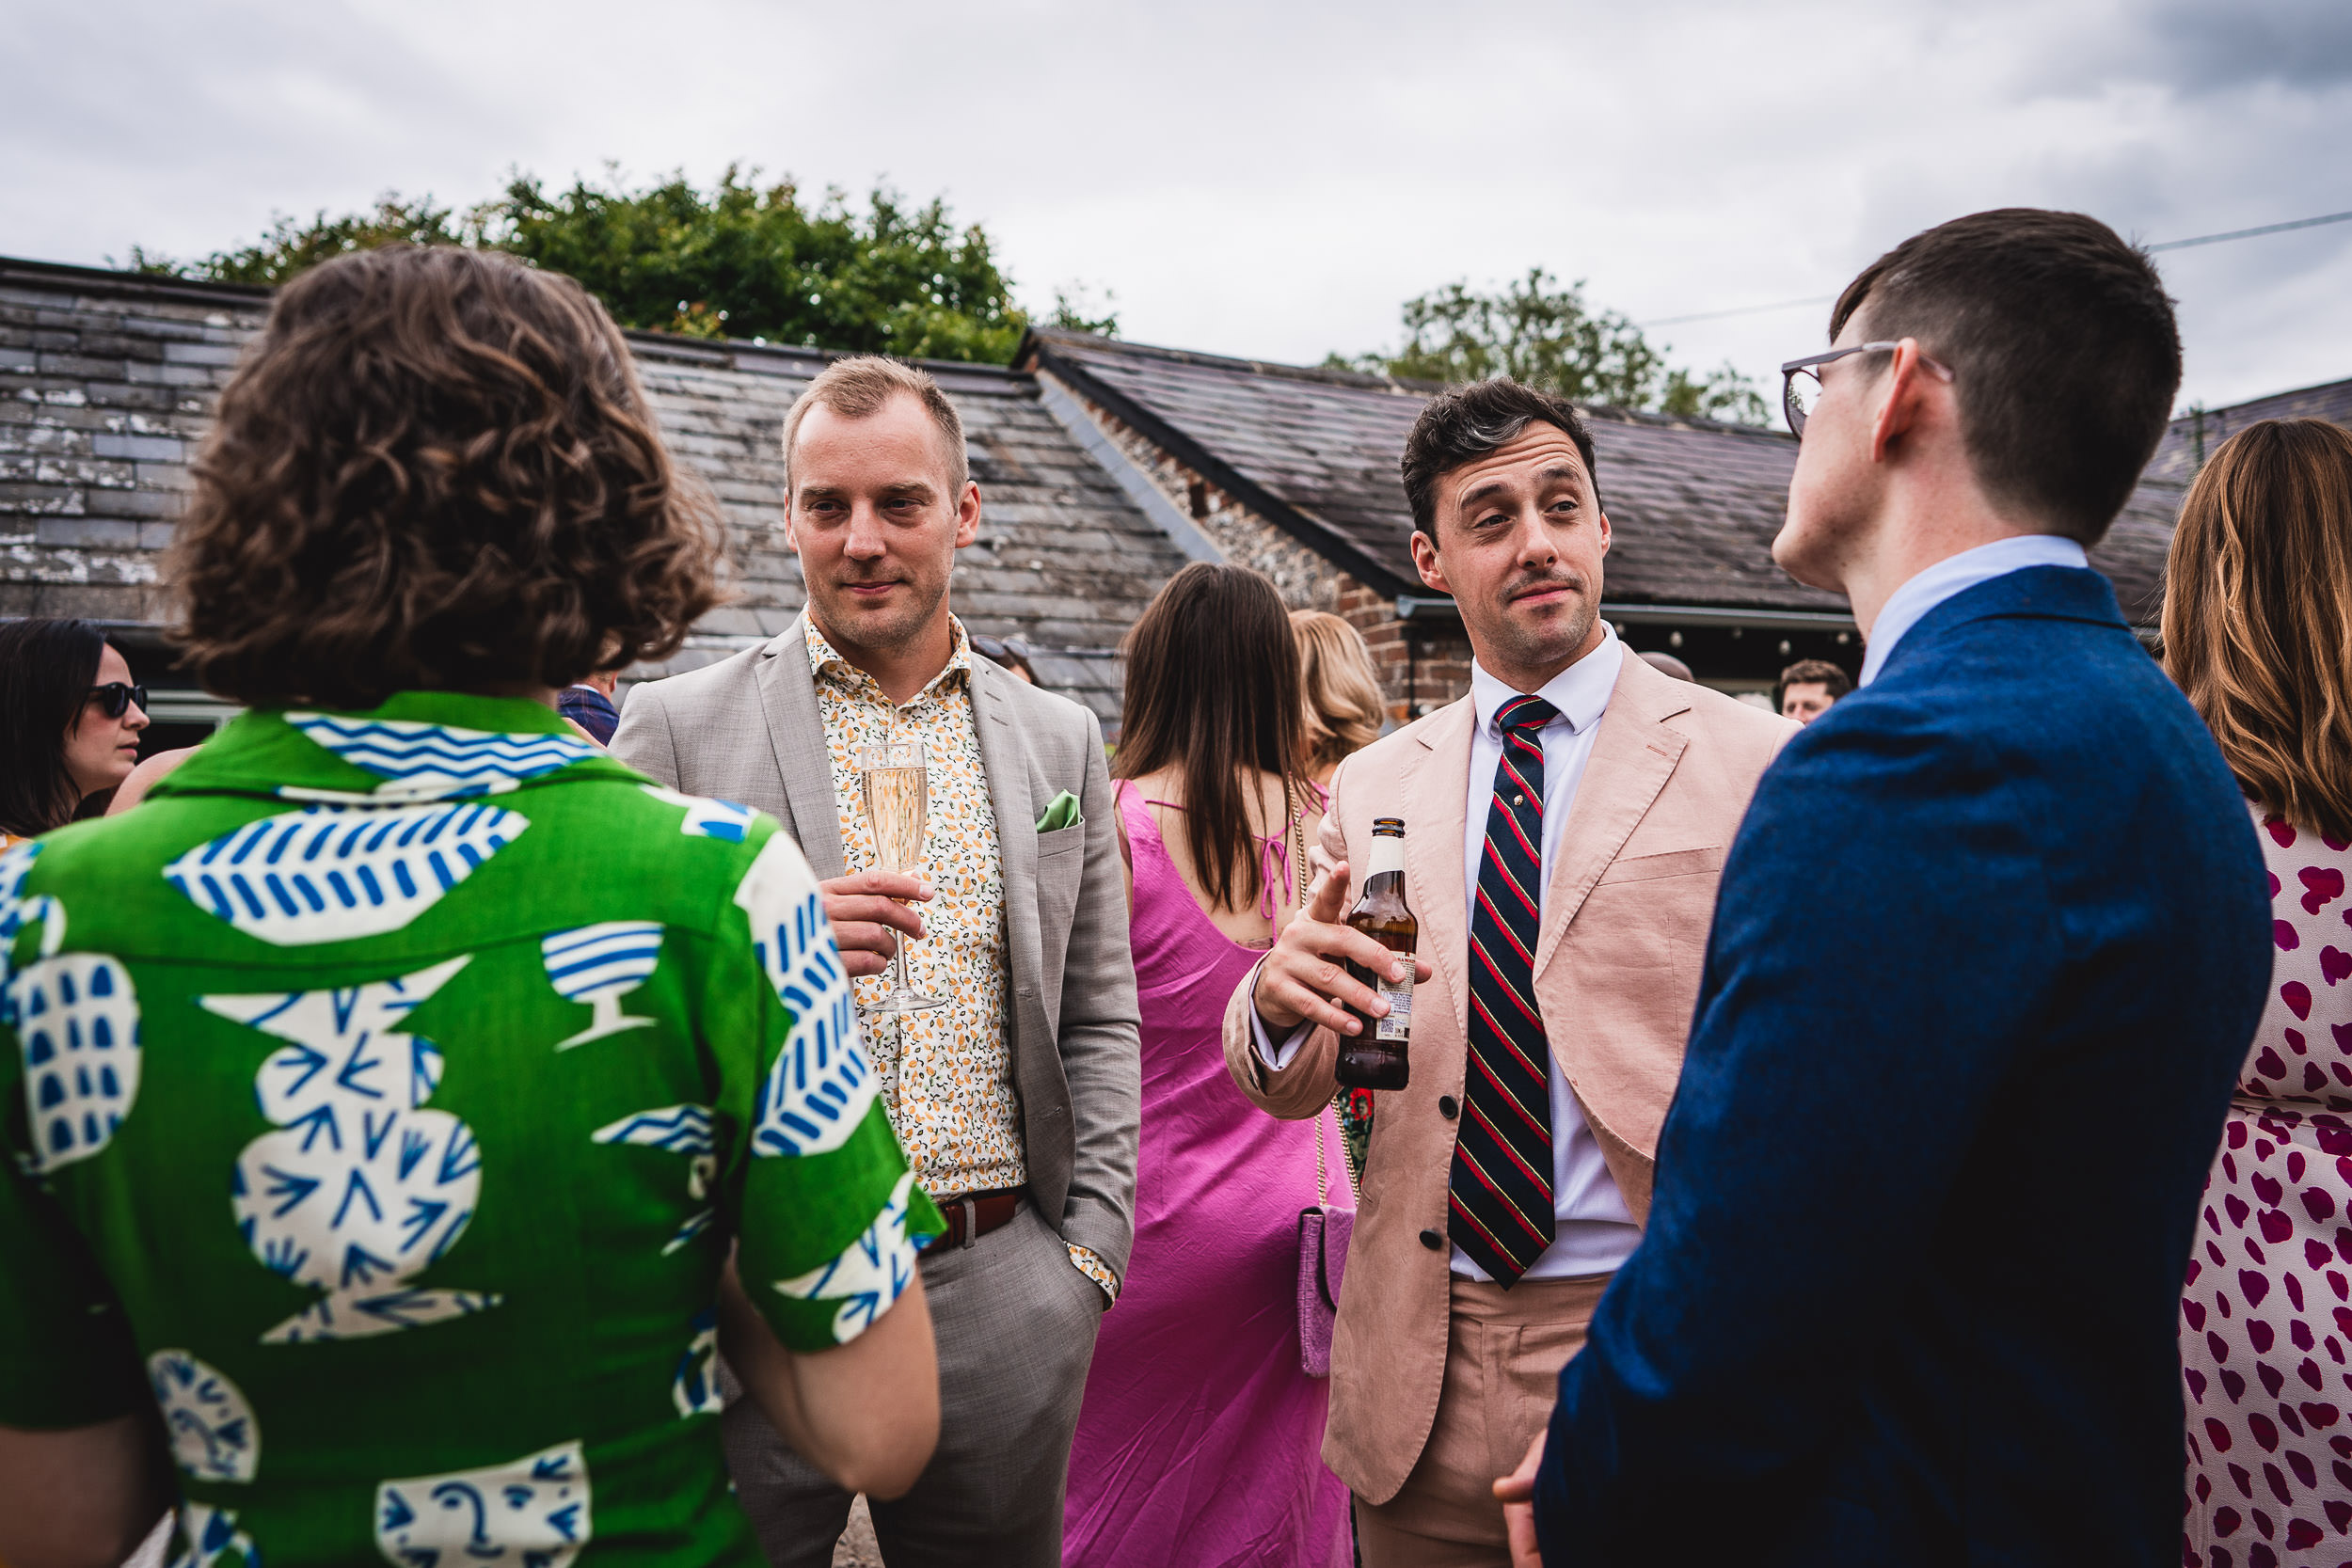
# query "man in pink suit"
(1565, 827)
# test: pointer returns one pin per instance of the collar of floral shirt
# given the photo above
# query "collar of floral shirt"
(826, 663)
(414, 746)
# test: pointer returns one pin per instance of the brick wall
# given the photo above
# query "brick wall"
(1423, 665)
(1432, 660)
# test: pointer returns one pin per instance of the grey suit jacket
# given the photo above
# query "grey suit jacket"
(748, 730)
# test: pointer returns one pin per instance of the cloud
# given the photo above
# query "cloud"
(2201, 48)
(1268, 179)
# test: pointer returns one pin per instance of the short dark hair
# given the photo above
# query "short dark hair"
(1807, 670)
(2063, 351)
(47, 669)
(1462, 424)
(434, 470)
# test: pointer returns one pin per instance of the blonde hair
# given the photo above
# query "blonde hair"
(860, 386)
(2258, 615)
(1343, 690)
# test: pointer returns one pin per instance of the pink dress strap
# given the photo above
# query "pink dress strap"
(1274, 859)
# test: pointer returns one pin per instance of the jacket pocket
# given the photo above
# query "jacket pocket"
(1673, 863)
(1061, 841)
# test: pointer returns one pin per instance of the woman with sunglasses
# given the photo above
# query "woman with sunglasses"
(1011, 651)
(70, 722)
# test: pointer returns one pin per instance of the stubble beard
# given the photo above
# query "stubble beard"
(853, 629)
(1547, 641)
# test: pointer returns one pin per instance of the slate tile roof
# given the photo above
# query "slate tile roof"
(1694, 503)
(2193, 435)
(2144, 531)
(107, 380)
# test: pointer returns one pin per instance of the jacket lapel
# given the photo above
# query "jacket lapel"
(796, 733)
(1633, 754)
(1007, 763)
(1436, 787)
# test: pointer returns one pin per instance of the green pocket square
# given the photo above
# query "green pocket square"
(1063, 813)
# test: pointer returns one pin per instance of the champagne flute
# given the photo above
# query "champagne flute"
(896, 778)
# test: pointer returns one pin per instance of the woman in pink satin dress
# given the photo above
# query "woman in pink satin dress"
(1200, 1442)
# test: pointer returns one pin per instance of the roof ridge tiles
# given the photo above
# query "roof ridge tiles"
(1049, 339)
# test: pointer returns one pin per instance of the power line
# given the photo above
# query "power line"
(1744, 310)
(2250, 233)
(2168, 244)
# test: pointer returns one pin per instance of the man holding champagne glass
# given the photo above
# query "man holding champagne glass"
(962, 824)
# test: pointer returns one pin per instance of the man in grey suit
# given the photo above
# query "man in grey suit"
(1018, 1100)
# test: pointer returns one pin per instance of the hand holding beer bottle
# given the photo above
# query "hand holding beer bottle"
(1376, 1057)
(1311, 975)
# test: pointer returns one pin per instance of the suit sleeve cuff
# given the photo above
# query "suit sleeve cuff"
(1273, 1055)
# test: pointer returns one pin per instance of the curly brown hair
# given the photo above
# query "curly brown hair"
(434, 470)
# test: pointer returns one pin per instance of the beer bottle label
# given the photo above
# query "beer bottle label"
(1398, 1024)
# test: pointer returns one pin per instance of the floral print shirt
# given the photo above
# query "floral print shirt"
(946, 1072)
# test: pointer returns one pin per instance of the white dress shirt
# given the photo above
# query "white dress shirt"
(1956, 574)
(1593, 1230)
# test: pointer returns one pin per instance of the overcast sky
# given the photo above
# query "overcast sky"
(1267, 179)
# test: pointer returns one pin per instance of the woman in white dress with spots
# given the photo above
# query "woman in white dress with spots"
(2258, 631)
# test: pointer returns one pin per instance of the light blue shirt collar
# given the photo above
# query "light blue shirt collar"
(1956, 574)
(1581, 691)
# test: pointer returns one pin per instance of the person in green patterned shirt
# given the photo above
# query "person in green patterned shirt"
(404, 1104)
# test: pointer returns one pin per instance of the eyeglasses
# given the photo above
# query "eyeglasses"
(117, 698)
(1000, 648)
(1801, 379)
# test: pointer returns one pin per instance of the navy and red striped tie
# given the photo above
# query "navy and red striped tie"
(1499, 1195)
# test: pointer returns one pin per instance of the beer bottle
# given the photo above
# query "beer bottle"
(1374, 1058)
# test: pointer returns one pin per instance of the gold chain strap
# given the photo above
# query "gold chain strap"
(1298, 841)
(1322, 1182)
(1330, 1113)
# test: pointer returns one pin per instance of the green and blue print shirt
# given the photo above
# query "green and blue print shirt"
(382, 1099)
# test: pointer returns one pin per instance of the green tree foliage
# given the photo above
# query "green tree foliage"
(1537, 332)
(738, 261)
(290, 248)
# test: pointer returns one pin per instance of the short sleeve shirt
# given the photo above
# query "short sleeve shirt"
(382, 1099)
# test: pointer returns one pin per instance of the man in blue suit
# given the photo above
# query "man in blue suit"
(1988, 950)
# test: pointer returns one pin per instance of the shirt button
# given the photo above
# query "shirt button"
(1448, 1106)
(1431, 1239)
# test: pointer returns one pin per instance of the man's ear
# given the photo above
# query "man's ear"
(791, 538)
(1425, 562)
(1900, 411)
(968, 514)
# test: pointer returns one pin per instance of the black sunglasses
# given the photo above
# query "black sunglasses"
(999, 647)
(1800, 397)
(116, 698)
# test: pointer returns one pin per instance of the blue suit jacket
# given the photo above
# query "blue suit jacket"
(1988, 952)
(591, 709)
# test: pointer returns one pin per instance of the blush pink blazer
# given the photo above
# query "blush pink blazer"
(1617, 976)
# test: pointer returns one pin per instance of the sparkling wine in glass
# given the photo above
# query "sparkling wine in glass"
(897, 777)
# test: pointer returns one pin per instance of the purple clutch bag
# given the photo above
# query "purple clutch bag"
(1324, 1232)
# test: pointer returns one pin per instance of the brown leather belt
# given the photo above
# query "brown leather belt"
(972, 1215)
